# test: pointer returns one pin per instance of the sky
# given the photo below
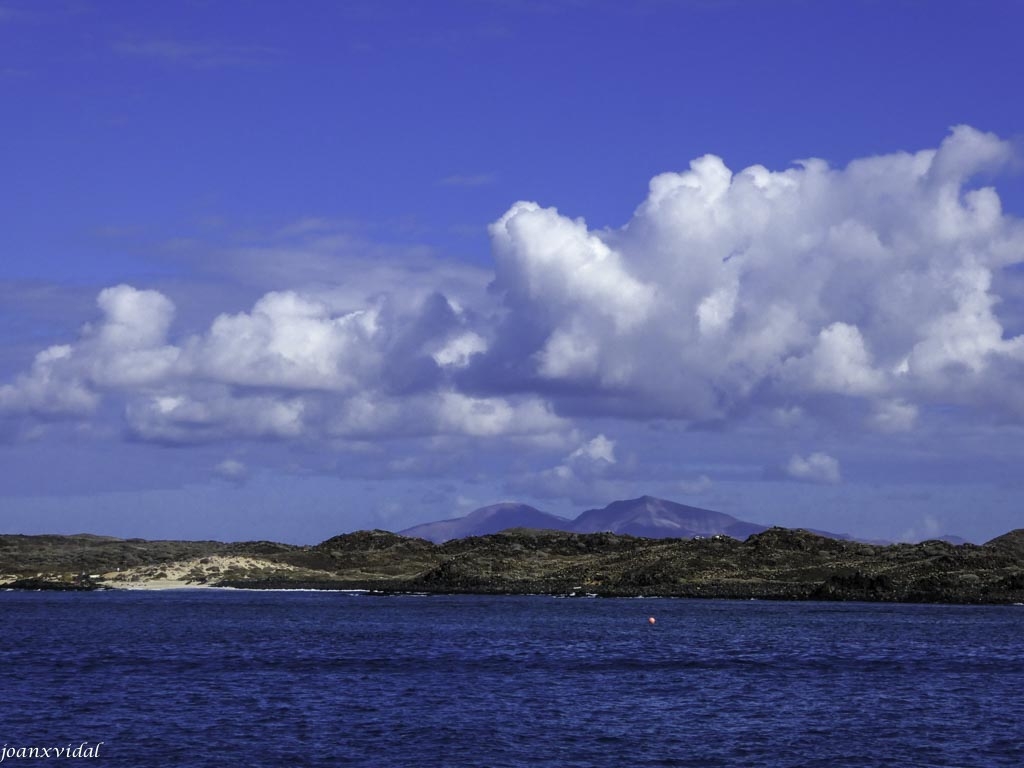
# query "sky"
(281, 271)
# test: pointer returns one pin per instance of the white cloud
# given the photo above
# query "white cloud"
(815, 468)
(125, 349)
(728, 294)
(133, 319)
(558, 273)
(839, 363)
(50, 388)
(598, 449)
(291, 342)
(212, 413)
(370, 414)
(894, 416)
(129, 347)
(492, 416)
(458, 351)
(968, 335)
(543, 255)
(232, 470)
(727, 290)
(297, 364)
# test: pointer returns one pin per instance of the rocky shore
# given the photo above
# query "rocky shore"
(778, 564)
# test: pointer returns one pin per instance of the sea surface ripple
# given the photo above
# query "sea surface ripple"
(215, 678)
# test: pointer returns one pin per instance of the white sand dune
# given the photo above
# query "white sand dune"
(187, 574)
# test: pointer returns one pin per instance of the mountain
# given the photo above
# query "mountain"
(658, 519)
(647, 516)
(487, 520)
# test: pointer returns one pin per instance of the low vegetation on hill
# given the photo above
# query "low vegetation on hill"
(775, 564)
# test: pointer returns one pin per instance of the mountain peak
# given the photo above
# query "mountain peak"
(660, 518)
(486, 520)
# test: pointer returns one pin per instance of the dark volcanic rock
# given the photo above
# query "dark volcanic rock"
(361, 553)
(1011, 544)
(778, 563)
(49, 585)
(855, 585)
(373, 541)
(85, 553)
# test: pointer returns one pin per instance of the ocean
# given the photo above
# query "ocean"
(240, 678)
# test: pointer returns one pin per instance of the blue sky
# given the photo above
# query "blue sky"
(279, 271)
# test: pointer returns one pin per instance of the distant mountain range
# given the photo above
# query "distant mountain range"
(647, 516)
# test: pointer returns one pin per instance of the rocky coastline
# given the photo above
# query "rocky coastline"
(777, 564)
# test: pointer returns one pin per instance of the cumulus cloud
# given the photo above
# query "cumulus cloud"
(291, 342)
(872, 287)
(124, 349)
(129, 346)
(728, 290)
(51, 387)
(296, 365)
(573, 282)
(838, 363)
(815, 468)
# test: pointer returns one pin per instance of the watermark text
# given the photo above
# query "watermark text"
(85, 749)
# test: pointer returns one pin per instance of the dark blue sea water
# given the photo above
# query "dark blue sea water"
(227, 678)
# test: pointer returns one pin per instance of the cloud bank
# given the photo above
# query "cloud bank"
(727, 291)
(728, 296)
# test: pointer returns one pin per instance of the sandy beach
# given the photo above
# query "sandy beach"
(187, 574)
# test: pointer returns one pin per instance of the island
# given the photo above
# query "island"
(775, 564)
